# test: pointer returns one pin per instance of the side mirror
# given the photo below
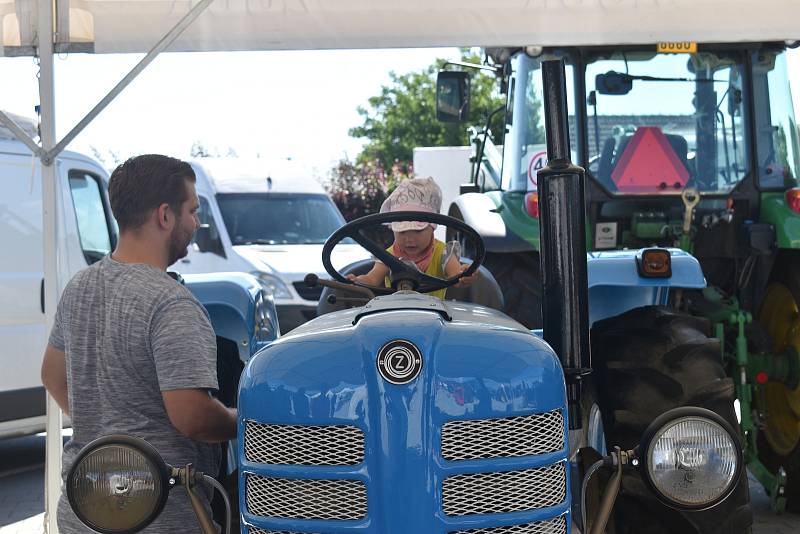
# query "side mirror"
(206, 241)
(734, 101)
(452, 96)
(613, 83)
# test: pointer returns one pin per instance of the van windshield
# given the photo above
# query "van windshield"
(278, 219)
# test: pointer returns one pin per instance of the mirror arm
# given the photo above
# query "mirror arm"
(497, 70)
(483, 144)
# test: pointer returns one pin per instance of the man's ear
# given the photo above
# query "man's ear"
(164, 217)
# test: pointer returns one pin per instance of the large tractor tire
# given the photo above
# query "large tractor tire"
(779, 440)
(520, 280)
(648, 361)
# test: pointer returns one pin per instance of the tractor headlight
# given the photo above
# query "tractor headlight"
(273, 285)
(692, 458)
(118, 484)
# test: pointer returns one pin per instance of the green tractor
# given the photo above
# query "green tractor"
(685, 145)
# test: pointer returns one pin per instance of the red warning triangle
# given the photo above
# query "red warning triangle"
(649, 164)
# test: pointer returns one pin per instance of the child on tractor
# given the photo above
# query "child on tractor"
(414, 240)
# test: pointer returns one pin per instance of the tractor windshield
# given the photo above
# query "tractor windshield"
(658, 123)
(525, 147)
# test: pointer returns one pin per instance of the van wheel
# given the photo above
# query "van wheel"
(648, 361)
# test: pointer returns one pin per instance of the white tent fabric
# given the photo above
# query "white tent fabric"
(108, 26)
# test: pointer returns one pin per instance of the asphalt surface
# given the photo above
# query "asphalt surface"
(22, 492)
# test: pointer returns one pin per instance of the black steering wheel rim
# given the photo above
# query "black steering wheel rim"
(426, 283)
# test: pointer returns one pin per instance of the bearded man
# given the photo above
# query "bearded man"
(131, 350)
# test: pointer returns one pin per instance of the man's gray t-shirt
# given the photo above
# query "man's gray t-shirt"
(129, 332)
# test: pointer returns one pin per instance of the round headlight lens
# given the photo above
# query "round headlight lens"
(693, 461)
(117, 487)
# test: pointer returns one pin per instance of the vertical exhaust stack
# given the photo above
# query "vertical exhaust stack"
(563, 243)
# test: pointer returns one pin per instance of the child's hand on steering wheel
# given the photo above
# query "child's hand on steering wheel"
(467, 280)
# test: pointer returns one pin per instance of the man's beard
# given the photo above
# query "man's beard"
(178, 244)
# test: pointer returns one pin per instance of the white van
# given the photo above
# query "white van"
(271, 219)
(85, 234)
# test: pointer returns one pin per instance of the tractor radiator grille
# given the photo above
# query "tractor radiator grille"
(303, 445)
(306, 498)
(502, 438)
(508, 491)
(552, 526)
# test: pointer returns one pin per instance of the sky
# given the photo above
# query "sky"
(297, 104)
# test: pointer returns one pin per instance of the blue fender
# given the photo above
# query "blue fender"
(238, 308)
(615, 285)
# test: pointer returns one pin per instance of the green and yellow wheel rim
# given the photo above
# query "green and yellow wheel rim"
(781, 317)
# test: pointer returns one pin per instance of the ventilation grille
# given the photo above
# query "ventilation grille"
(306, 498)
(502, 438)
(509, 491)
(553, 526)
(303, 445)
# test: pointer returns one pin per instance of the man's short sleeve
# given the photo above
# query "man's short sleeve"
(184, 346)
(56, 339)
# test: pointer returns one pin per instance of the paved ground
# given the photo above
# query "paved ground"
(22, 493)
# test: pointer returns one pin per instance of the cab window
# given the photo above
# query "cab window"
(776, 130)
(91, 215)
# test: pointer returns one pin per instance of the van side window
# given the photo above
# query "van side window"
(90, 213)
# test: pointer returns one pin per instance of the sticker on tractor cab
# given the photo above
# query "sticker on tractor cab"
(536, 163)
(679, 47)
(399, 361)
(605, 235)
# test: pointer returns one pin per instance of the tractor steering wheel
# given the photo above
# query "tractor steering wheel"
(423, 283)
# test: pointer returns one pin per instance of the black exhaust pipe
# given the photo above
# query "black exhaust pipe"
(562, 224)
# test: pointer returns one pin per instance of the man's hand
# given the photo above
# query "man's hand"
(199, 416)
(54, 376)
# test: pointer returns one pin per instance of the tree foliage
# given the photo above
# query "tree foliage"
(403, 115)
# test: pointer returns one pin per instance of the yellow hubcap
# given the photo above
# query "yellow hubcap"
(779, 315)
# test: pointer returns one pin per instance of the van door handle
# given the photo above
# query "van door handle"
(186, 260)
(41, 295)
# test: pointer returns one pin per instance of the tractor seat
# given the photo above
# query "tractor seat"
(485, 291)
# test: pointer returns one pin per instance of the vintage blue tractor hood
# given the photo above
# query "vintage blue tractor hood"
(335, 433)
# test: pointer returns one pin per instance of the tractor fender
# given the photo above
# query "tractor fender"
(232, 301)
(615, 285)
(481, 213)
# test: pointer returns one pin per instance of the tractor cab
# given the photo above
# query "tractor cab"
(650, 122)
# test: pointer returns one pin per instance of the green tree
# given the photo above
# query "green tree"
(403, 115)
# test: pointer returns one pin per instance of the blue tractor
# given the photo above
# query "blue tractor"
(405, 413)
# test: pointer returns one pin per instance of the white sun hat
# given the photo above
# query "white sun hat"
(417, 194)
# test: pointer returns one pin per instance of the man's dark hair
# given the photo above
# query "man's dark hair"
(143, 183)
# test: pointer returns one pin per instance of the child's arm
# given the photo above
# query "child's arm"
(373, 278)
(454, 268)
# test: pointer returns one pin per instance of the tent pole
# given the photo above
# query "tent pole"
(165, 41)
(20, 134)
(49, 208)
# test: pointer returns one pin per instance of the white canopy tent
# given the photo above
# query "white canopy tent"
(105, 26)
(45, 27)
